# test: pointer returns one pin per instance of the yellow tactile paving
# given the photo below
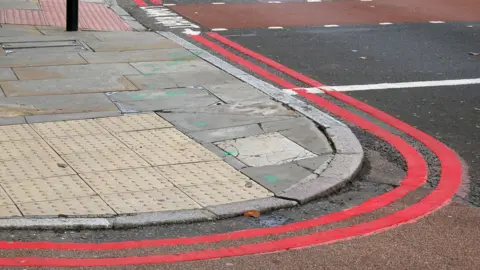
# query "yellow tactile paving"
(26, 150)
(130, 180)
(9, 210)
(87, 143)
(47, 189)
(155, 137)
(174, 154)
(69, 128)
(83, 206)
(17, 133)
(4, 199)
(15, 170)
(201, 173)
(216, 194)
(150, 201)
(104, 161)
(133, 122)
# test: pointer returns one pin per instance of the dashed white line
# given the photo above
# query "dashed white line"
(218, 3)
(437, 22)
(274, 2)
(381, 86)
(331, 25)
(275, 27)
(169, 5)
(219, 29)
(314, 0)
(385, 23)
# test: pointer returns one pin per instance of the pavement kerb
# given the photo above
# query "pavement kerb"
(136, 26)
(327, 179)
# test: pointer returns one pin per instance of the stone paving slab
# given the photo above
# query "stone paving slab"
(52, 59)
(156, 100)
(55, 104)
(130, 45)
(138, 56)
(74, 71)
(66, 86)
(6, 74)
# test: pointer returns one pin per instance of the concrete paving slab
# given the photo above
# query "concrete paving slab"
(343, 166)
(163, 217)
(127, 36)
(74, 71)
(6, 74)
(235, 91)
(4, 121)
(316, 163)
(277, 178)
(217, 135)
(154, 81)
(191, 122)
(309, 137)
(19, 5)
(345, 141)
(265, 149)
(51, 59)
(69, 116)
(45, 50)
(201, 77)
(130, 45)
(12, 32)
(251, 107)
(66, 86)
(312, 189)
(172, 67)
(138, 56)
(155, 100)
(56, 104)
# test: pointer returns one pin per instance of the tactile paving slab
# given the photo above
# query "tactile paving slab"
(83, 206)
(215, 194)
(88, 143)
(104, 161)
(155, 137)
(15, 170)
(27, 149)
(47, 189)
(130, 180)
(69, 128)
(17, 133)
(133, 122)
(201, 173)
(150, 201)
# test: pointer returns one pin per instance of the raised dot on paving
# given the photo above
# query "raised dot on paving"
(129, 180)
(201, 173)
(47, 189)
(92, 205)
(27, 149)
(155, 137)
(150, 201)
(87, 143)
(22, 169)
(17, 133)
(69, 128)
(216, 194)
(133, 122)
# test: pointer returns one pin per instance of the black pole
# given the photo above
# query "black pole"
(72, 15)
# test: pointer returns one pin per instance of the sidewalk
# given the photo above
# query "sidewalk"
(80, 136)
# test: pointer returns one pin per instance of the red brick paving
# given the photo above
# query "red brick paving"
(323, 13)
(92, 16)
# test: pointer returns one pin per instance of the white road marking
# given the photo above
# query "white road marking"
(314, 0)
(331, 25)
(437, 22)
(219, 29)
(381, 86)
(275, 27)
(385, 23)
(274, 2)
(169, 5)
(168, 18)
(218, 3)
(190, 32)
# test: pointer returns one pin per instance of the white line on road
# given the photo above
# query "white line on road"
(381, 86)
(275, 27)
(219, 29)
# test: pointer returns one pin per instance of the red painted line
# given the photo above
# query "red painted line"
(156, 2)
(140, 3)
(416, 175)
(449, 181)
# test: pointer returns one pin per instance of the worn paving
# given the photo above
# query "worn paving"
(214, 141)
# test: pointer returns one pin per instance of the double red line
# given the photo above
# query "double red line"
(450, 180)
(142, 3)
